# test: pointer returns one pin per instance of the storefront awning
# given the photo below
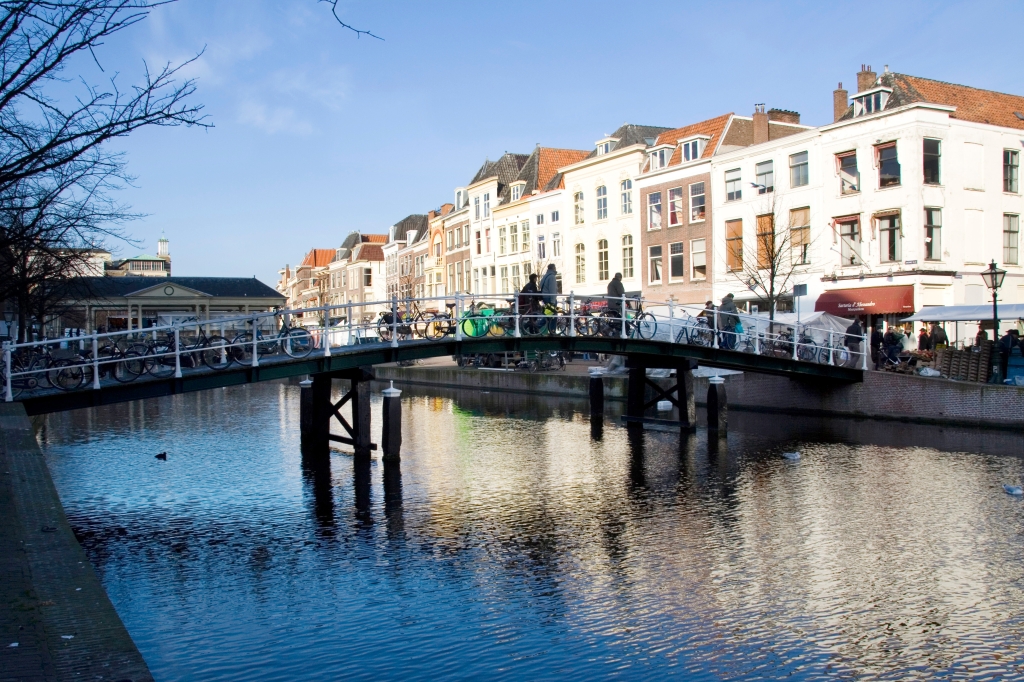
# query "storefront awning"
(967, 313)
(867, 301)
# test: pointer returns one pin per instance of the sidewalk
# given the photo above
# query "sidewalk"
(56, 621)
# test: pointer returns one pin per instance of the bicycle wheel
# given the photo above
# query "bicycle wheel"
(420, 324)
(531, 325)
(810, 353)
(438, 327)
(298, 343)
(644, 326)
(560, 325)
(241, 349)
(132, 365)
(160, 360)
(384, 327)
(216, 354)
(67, 375)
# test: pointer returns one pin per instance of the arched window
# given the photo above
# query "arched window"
(602, 202)
(627, 256)
(581, 264)
(578, 205)
(602, 260)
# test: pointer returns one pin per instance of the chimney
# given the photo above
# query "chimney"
(760, 124)
(784, 116)
(840, 103)
(865, 78)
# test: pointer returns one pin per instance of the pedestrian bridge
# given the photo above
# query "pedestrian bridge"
(111, 367)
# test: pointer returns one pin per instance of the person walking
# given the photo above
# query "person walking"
(939, 339)
(549, 285)
(727, 320)
(876, 346)
(616, 291)
(528, 297)
(892, 341)
(854, 334)
(924, 339)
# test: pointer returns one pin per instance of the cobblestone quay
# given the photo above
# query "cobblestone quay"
(56, 622)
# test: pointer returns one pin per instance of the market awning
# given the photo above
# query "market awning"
(867, 301)
(967, 313)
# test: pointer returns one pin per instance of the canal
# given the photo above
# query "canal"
(521, 540)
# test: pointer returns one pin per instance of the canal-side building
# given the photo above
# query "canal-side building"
(407, 241)
(897, 205)
(434, 265)
(482, 195)
(366, 278)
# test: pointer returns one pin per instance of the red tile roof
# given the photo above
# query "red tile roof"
(552, 159)
(712, 127)
(972, 104)
(375, 238)
(367, 251)
(318, 258)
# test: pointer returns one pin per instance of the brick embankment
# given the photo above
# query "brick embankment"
(881, 395)
(52, 603)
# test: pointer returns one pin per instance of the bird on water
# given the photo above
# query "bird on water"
(162, 456)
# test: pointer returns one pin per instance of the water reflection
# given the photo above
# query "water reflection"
(519, 538)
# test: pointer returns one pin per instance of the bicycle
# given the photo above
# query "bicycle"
(296, 342)
(640, 324)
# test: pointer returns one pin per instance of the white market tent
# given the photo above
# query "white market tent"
(967, 313)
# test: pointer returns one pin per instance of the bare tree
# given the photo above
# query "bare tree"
(359, 33)
(779, 249)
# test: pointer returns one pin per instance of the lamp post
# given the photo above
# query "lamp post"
(993, 278)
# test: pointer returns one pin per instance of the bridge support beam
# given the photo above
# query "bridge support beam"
(687, 405)
(317, 409)
(315, 417)
(391, 437)
(718, 409)
(596, 395)
(635, 392)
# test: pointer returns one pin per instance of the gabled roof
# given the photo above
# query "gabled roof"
(505, 169)
(416, 222)
(740, 132)
(972, 104)
(713, 128)
(228, 287)
(368, 251)
(375, 238)
(318, 258)
(541, 166)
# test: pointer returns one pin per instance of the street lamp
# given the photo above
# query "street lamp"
(993, 278)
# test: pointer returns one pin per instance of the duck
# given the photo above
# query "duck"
(1013, 489)
(791, 455)
(161, 456)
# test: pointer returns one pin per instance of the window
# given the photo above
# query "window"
(578, 207)
(1011, 233)
(733, 186)
(933, 234)
(524, 232)
(541, 250)
(888, 166)
(800, 235)
(556, 245)
(501, 241)
(517, 283)
(476, 280)
(479, 242)
(849, 176)
(451, 240)
(627, 255)
(602, 260)
(367, 277)
(487, 205)
(697, 202)
(627, 196)
(654, 264)
(513, 238)
(932, 154)
(581, 264)
(540, 218)
(458, 200)
(602, 203)
(517, 191)
(476, 208)
(734, 245)
(889, 235)
(675, 206)
(764, 173)
(487, 239)
(654, 211)
(676, 271)
(691, 150)
(458, 275)
(604, 148)
(504, 279)
(766, 247)
(1011, 163)
(849, 235)
(871, 103)
(659, 159)
(698, 259)
(798, 170)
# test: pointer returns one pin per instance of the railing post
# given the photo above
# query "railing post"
(96, 364)
(394, 321)
(348, 314)
(327, 332)
(255, 336)
(716, 329)
(458, 316)
(177, 354)
(622, 314)
(757, 339)
(671, 320)
(864, 352)
(831, 348)
(516, 302)
(572, 314)
(796, 339)
(8, 396)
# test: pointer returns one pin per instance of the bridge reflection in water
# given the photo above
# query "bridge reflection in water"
(522, 535)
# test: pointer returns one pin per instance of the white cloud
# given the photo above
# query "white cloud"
(271, 119)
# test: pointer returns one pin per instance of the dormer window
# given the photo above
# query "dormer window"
(659, 159)
(517, 190)
(459, 199)
(870, 102)
(692, 148)
(605, 146)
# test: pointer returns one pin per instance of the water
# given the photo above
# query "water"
(522, 541)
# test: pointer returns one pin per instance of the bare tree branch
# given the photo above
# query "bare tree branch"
(359, 33)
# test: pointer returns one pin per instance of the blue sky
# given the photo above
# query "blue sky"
(317, 133)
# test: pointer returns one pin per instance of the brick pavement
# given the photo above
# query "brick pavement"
(54, 605)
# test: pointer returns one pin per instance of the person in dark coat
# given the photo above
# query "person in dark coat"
(728, 318)
(615, 293)
(854, 334)
(892, 345)
(924, 339)
(876, 346)
(528, 298)
(939, 337)
(549, 285)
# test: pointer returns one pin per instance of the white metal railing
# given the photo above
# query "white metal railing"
(170, 350)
